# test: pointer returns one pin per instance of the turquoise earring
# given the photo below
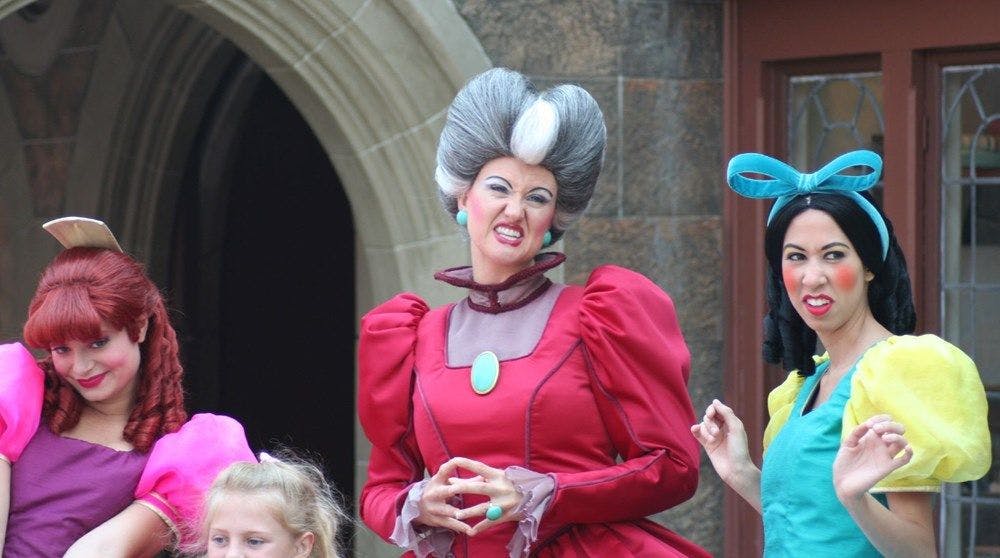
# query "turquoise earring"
(547, 239)
(462, 217)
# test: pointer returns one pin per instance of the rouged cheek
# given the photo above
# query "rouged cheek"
(788, 278)
(846, 277)
(542, 223)
(124, 361)
(473, 207)
(551, 219)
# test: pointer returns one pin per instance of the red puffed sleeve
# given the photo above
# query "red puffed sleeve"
(639, 366)
(183, 465)
(385, 373)
(21, 387)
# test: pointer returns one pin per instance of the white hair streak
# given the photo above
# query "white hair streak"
(535, 132)
(449, 183)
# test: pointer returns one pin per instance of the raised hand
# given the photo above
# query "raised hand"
(722, 435)
(867, 455)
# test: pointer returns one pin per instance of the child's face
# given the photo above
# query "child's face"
(243, 526)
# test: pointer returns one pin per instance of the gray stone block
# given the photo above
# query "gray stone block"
(672, 40)
(671, 143)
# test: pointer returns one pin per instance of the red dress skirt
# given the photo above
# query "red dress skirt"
(600, 404)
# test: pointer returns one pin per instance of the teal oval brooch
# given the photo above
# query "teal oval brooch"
(485, 372)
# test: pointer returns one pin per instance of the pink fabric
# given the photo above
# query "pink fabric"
(513, 334)
(432, 541)
(183, 465)
(387, 339)
(21, 386)
(536, 490)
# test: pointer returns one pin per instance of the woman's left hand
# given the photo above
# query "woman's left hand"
(489, 482)
(872, 450)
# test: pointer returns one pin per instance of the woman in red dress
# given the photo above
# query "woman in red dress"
(550, 419)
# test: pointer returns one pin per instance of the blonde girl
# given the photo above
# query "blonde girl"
(275, 508)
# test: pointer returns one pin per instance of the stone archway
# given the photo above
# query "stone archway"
(373, 79)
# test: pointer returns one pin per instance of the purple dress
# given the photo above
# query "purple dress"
(61, 488)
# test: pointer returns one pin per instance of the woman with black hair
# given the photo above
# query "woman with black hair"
(860, 437)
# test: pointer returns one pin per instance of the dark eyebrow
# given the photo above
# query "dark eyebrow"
(827, 247)
(833, 244)
(505, 181)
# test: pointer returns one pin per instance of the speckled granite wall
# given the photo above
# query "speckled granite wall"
(656, 69)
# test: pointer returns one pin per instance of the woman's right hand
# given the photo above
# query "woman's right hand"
(436, 509)
(722, 435)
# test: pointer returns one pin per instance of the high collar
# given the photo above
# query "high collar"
(514, 292)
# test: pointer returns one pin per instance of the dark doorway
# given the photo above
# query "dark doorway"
(287, 340)
(262, 276)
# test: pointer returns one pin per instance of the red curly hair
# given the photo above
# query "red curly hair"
(83, 287)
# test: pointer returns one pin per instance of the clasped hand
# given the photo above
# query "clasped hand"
(437, 504)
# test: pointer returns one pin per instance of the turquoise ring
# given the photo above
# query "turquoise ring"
(494, 512)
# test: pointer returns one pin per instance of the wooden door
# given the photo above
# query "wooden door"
(808, 79)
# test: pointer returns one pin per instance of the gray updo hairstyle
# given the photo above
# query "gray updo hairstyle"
(499, 113)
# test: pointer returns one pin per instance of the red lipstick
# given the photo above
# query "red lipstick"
(91, 382)
(820, 309)
(504, 239)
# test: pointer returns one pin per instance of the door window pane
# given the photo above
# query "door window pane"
(833, 113)
(970, 280)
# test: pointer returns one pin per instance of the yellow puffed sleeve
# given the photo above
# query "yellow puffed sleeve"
(934, 390)
(781, 400)
(779, 405)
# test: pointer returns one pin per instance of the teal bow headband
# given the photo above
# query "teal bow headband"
(786, 183)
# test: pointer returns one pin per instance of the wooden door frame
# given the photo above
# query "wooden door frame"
(933, 62)
(762, 40)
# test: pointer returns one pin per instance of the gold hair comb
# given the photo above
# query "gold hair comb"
(73, 232)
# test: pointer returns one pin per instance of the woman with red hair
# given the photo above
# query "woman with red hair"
(109, 469)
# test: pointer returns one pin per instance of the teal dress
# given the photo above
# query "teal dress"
(923, 382)
(801, 513)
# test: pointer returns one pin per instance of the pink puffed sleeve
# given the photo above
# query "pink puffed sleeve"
(183, 465)
(21, 392)
(385, 379)
(640, 366)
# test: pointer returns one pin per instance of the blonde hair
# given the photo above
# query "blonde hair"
(296, 492)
